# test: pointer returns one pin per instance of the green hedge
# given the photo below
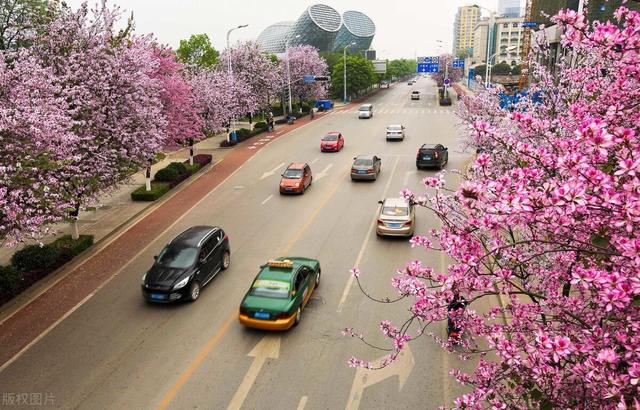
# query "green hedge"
(260, 125)
(171, 173)
(157, 190)
(47, 258)
(9, 279)
(192, 169)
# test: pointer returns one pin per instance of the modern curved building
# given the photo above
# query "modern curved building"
(273, 38)
(322, 27)
(317, 26)
(356, 28)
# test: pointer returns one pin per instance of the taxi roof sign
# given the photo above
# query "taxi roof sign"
(286, 264)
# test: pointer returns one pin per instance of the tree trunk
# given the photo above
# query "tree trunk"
(190, 151)
(75, 231)
(148, 177)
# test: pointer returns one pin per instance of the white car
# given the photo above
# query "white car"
(415, 95)
(395, 132)
(365, 111)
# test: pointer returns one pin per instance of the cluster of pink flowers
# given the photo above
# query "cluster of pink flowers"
(547, 219)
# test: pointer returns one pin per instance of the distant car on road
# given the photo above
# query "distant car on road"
(333, 141)
(279, 293)
(296, 178)
(396, 217)
(445, 101)
(432, 155)
(395, 132)
(384, 84)
(187, 264)
(365, 111)
(410, 82)
(365, 167)
(415, 95)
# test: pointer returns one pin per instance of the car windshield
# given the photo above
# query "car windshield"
(330, 137)
(364, 108)
(177, 257)
(270, 289)
(395, 211)
(292, 173)
(394, 128)
(416, 92)
(363, 162)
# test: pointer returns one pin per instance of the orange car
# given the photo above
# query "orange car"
(296, 178)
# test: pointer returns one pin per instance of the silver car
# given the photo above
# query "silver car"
(365, 111)
(396, 217)
(365, 167)
(395, 132)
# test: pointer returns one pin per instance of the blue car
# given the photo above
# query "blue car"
(322, 105)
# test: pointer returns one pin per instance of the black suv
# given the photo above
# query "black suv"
(187, 264)
(432, 155)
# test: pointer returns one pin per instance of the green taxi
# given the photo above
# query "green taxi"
(279, 293)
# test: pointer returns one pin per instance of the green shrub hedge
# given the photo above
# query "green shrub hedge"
(192, 169)
(171, 173)
(157, 190)
(9, 279)
(47, 258)
(260, 125)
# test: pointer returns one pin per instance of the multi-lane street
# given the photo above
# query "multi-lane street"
(117, 351)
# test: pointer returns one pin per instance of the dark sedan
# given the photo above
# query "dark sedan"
(187, 264)
(432, 155)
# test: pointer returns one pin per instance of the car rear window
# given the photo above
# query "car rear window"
(395, 211)
(365, 108)
(292, 173)
(394, 128)
(177, 257)
(270, 289)
(415, 92)
(363, 162)
(330, 137)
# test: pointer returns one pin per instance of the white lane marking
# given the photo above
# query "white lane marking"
(143, 250)
(258, 143)
(273, 171)
(323, 173)
(303, 403)
(251, 147)
(347, 288)
(267, 200)
(278, 132)
(405, 181)
(314, 161)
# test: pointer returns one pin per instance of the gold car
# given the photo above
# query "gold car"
(396, 217)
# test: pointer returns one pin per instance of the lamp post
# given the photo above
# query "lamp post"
(230, 71)
(344, 60)
(286, 48)
(490, 67)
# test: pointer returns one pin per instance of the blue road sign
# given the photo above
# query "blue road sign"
(529, 24)
(428, 67)
(458, 63)
(447, 81)
(308, 78)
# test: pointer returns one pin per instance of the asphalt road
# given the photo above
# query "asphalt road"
(118, 352)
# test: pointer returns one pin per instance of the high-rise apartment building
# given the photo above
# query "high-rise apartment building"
(509, 8)
(466, 20)
(480, 38)
(508, 43)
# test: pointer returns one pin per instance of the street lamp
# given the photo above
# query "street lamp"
(230, 72)
(286, 48)
(344, 59)
(489, 67)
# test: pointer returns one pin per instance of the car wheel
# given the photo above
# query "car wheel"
(298, 315)
(194, 291)
(318, 279)
(226, 260)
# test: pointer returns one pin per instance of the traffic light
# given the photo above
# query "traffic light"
(322, 78)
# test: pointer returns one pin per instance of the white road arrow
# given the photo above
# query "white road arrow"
(323, 173)
(365, 378)
(273, 171)
(267, 348)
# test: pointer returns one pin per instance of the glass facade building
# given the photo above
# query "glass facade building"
(322, 27)
(273, 38)
(356, 28)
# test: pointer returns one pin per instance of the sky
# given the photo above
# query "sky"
(404, 29)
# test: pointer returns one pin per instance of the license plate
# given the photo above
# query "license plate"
(157, 296)
(261, 315)
(361, 171)
(288, 189)
(394, 225)
(426, 157)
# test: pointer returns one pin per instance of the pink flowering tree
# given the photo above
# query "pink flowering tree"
(113, 99)
(35, 141)
(547, 220)
(251, 66)
(221, 98)
(305, 60)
